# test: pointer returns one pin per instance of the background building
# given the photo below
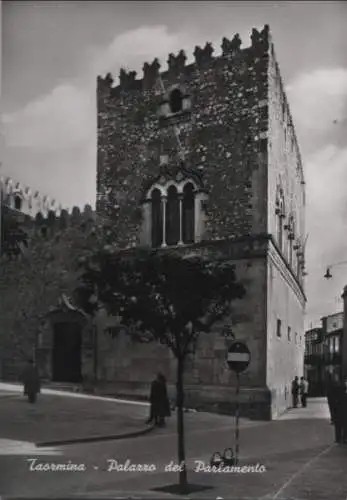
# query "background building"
(314, 361)
(333, 331)
(344, 335)
(323, 353)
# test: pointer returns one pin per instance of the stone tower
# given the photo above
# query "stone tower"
(204, 157)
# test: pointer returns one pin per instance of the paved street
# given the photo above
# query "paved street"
(297, 452)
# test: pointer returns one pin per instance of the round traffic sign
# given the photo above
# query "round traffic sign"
(238, 357)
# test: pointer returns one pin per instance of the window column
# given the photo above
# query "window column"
(156, 218)
(180, 199)
(163, 201)
(188, 214)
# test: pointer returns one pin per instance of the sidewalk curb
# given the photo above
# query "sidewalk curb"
(96, 439)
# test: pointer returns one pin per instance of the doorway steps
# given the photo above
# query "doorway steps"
(63, 386)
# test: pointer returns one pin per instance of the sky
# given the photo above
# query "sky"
(53, 51)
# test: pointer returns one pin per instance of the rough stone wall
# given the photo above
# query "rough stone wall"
(225, 138)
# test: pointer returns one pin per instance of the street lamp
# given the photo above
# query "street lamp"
(328, 274)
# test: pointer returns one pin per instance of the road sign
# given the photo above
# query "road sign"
(238, 357)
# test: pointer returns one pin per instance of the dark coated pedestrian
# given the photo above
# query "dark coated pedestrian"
(340, 413)
(295, 392)
(159, 400)
(31, 381)
(331, 388)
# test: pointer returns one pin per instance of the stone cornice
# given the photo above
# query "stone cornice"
(246, 247)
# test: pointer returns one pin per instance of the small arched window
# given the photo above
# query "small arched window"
(176, 101)
(188, 214)
(157, 218)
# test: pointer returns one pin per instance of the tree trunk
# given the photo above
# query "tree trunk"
(183, 481)
(95, 349)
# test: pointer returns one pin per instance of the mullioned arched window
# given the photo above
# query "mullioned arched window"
(173, 214)
(174, 208)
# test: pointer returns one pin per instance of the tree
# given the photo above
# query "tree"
(162, 296)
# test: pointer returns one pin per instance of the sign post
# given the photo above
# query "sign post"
(238, 359)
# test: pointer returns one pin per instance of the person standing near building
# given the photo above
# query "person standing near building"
(295, 391)
(331, 395)
(340, 413)
(303, 391)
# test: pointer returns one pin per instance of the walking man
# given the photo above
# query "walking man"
(295, 391)
(303, 391)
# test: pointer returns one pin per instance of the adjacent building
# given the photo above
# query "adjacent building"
(344, 335)
(323, 352)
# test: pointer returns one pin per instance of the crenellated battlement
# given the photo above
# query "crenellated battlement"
(24, 199)
(23, 229)
(47, 225)
(176, 64)
(64, 219)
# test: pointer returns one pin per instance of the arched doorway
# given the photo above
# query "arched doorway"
(67, 352)
(68, 324)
